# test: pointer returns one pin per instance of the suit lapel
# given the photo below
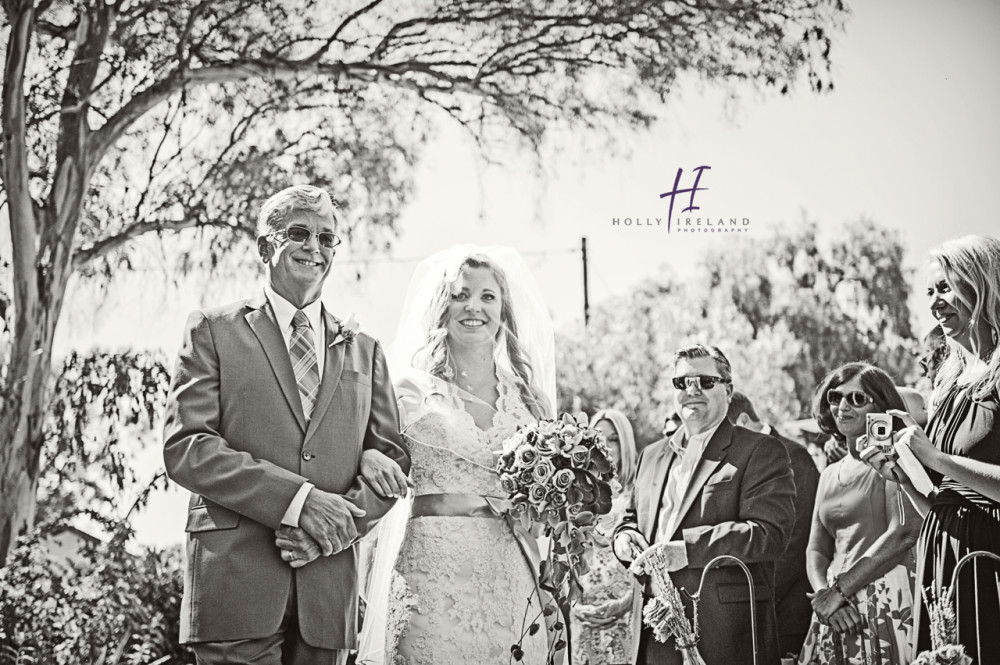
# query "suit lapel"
(711, 457)
(265, 327)
(333, 367)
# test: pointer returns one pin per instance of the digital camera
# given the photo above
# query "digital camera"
(879, 428)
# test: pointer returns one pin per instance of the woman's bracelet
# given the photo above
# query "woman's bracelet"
(840, 590)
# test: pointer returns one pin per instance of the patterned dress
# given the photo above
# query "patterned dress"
(851, 504)
(606, 580)
(961, 521)
(464, 591)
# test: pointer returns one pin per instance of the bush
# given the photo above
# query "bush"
(106, 606)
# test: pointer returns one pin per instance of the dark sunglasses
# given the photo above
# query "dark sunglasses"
(301, 235)
(701, 382)
(856, 398)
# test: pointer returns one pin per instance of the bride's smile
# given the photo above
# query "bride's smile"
(475, 309)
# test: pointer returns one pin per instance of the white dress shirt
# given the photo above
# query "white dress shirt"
(685, 461)
(283, 312)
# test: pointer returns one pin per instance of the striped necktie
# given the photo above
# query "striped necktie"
(304, 363)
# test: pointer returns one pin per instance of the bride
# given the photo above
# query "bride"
(455, 583)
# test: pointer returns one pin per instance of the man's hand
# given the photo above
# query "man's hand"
(329, 520)
(297, 547)
(668, 557)
(384, 475)
(629, 544)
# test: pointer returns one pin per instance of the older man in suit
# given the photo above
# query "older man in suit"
(712, 489)
(791, 584)
(272, 403)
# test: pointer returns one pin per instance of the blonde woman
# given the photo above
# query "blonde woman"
(601, 622)
(960, 447)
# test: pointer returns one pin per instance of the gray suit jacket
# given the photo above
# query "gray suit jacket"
(236, 436)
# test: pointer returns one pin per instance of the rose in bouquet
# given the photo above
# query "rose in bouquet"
(557, 475)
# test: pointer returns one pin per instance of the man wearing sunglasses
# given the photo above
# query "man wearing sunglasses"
(711, 489)
(271, 405)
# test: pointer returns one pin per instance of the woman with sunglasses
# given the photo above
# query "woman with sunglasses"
(861, 543)
(961, 447)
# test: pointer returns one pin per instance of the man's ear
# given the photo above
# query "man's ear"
(264, 249)
(743, 420)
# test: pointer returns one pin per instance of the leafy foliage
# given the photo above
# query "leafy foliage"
(103, 405)
(98, 602)
(785, 310)
(197, 111)
(106, 605)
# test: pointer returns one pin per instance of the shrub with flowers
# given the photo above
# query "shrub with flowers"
(557, 475)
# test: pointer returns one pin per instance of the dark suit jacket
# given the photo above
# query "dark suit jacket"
(739, 502)
(236, 436)
(792, 607)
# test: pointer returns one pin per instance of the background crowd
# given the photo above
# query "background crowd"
(868, 555)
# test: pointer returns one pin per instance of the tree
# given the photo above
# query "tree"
(125, 119)
(785, 310)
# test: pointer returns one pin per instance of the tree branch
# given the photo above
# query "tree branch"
(241, 70)
(107, 245)
(354, 16)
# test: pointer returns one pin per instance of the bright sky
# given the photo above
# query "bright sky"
(908, 138)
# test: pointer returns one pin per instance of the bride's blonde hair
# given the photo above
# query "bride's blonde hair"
(434, 356)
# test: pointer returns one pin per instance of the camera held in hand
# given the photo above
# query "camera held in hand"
(879, 428)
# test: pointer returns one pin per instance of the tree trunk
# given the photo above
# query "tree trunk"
(25, 397)
(21, 423)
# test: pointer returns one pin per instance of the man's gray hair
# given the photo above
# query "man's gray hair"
(706, 351)
(304, 198)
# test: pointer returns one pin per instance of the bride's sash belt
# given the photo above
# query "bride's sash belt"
(476, 505)
(457, 505)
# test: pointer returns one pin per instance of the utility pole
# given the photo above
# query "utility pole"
(586, 291)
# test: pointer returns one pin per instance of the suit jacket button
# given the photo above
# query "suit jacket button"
(306, 455)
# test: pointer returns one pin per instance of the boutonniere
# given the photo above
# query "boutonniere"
(348, 329)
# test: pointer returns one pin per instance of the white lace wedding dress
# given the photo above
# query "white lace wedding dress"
(462, 590)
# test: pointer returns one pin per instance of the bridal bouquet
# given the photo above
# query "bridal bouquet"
(557, 475)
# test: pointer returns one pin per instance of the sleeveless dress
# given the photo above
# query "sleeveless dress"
(606, 580)
(850, 501)
(961, 521)
(462, 590)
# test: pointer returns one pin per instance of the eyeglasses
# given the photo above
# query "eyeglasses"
(301, 235)
(700, 381)
(856, 398)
